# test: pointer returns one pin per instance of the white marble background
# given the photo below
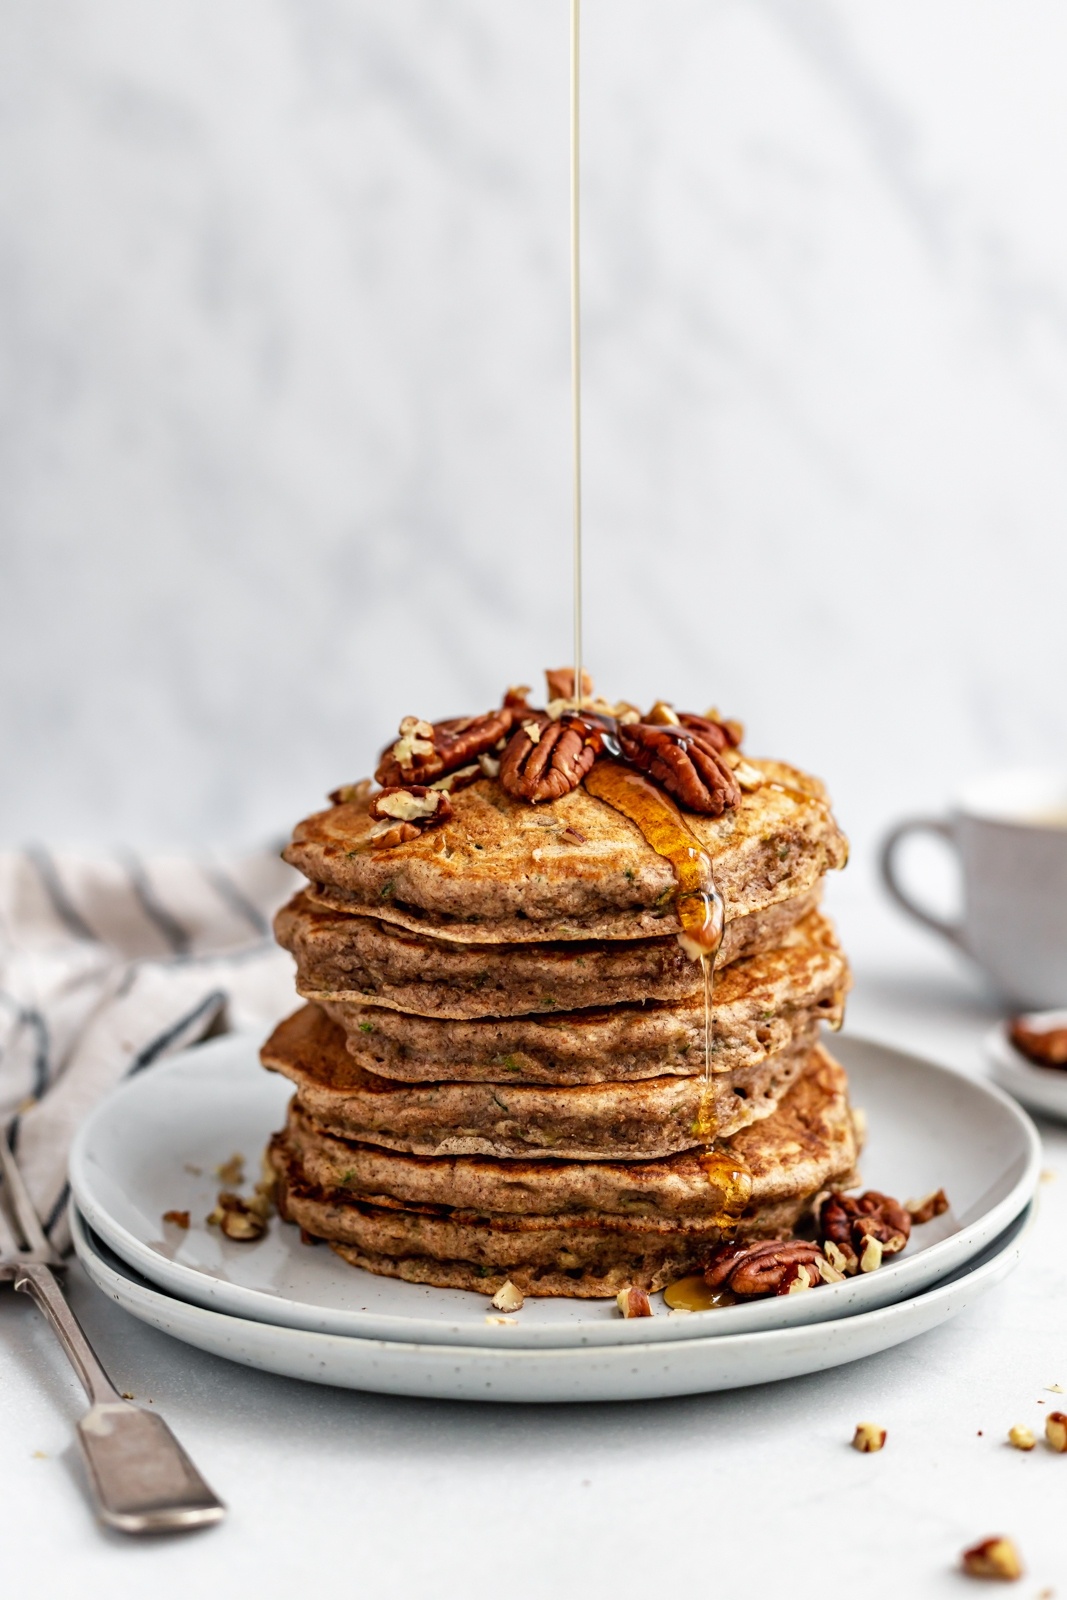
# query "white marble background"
(283, 324)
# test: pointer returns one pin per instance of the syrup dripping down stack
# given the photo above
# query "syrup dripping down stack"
(500, 1067)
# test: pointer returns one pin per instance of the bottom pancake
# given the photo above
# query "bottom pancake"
(585, 1250)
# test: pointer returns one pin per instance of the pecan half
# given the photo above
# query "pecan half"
(560, 681)
(764, 1268)
(848, 1221)
(1045, 1047)
(429, 750)
(723, 735)
(684, 762)
(545, 760)
(403, 811)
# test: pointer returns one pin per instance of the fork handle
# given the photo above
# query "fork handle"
(40, 1283)
(142, 1479)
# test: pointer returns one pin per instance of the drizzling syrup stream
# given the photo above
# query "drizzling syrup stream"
(576, 361)
(700, 912)
(698, 902)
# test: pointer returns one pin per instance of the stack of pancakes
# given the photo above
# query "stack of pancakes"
(500, 1069)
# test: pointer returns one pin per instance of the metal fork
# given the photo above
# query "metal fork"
(141, 1478)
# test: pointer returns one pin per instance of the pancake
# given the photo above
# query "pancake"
(357, 958)
(641, 1120)
(582, 1241)
(500, 870)
(677, 1186)
(763, 1004)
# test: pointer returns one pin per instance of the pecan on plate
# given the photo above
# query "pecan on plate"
(544, 760)
(767, 1267)
(925, 1210)
(403, 811)
(683, 762)
(426, 751)
(850, 1222)
(1045, 1047)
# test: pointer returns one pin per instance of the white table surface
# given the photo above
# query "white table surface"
(753, 1492)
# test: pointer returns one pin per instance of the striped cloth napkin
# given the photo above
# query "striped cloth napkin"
(109, 964)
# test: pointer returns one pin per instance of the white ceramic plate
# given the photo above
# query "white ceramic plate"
(154, 1146)
(1040, 1088)
(647, 1371)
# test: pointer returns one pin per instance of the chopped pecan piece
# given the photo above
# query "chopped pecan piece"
(633, 1302)
(685, 763)
(429, 750)
(853, 1221)
(411, 802)
(922, 1211)
(351, 794)
(545, 760)
(663, 715)
(763, 1268)
(508, 1297)
(242, 1220)
(842, 1258)
(1056, 1432)
(387, 835)
(402, 811)
(871, 1254)
(993, 1558)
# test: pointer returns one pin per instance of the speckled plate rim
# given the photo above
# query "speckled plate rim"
(648, 1371)
(1043, 1089)
(452, 1317)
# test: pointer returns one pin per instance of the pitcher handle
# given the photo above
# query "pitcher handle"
(888, 863)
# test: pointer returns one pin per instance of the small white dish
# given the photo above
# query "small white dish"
(648, 1371)
(1041, 1088)
(154, 1146)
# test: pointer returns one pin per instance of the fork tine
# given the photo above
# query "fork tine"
(25, 1215)
(8, 1244)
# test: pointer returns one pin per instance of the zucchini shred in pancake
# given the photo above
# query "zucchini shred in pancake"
(506, 1067)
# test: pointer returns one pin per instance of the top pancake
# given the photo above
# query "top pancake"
(502, 871)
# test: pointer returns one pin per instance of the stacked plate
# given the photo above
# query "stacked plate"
(155, 1147)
